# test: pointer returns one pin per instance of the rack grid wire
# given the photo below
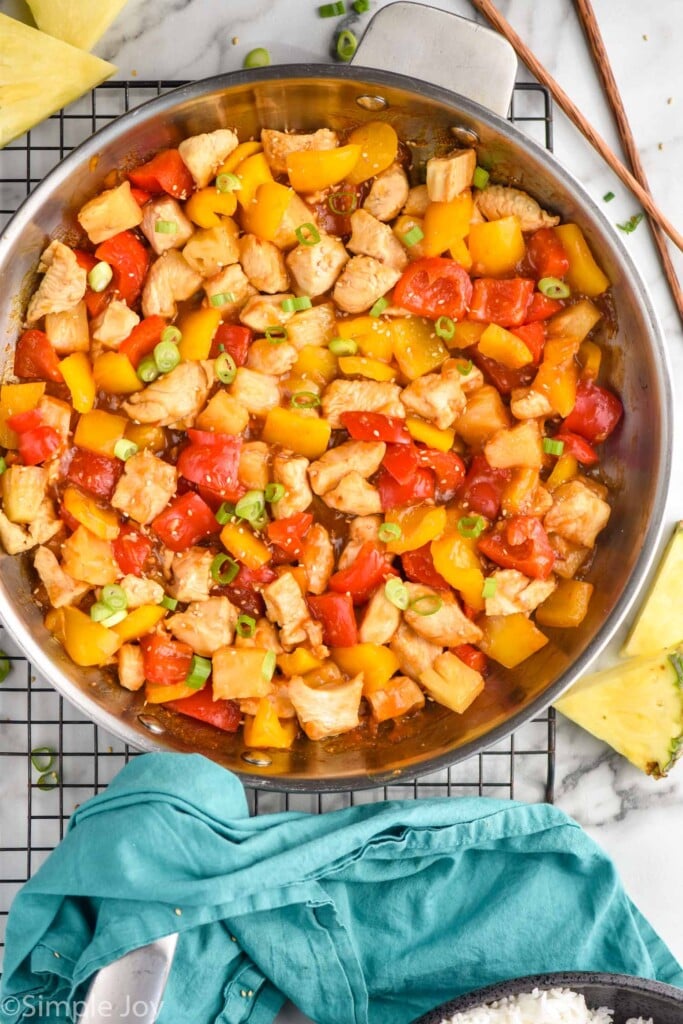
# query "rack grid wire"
(33, 818)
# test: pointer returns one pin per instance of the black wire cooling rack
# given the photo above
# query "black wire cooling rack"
(35, 805)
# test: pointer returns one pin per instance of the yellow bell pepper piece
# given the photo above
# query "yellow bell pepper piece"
(114, 374)
(139, 622)
(252, 172)
(54, 623)
(204, 206)
(446, 224)
(590, 357)
(232, 162)
(419, 525)
(266, 730)
(467, 332)
(402, 226)
(301, 434)
(584, 274)
(496, 246)
(316, 363)
(377, 663)
(16, 398)
(505, 347)
(87, 642)
(101, 521)
(156, 693)
(567, 606)
(461, 254)
(198, 329)
(313, 169)
(564, 469)
(242, 543)
(456, 559)
(263, 216)
(417, 349)
(98, 431)
(419, 430)
(78, 377)
(371, 334)
(558, 374)
(146, 436)
(89, 558)
(378, 144)
(510, 639)
(361, 366)
(298, 662)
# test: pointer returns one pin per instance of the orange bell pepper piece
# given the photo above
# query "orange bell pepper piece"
(419, 524)
(456, 559)
(496, 246)
(232, 162)
(78, 377)
(139, 622)
(510, 639)
(361, 366)
(263, 216)
(301, 434)
(430, 435)
(505, 347)
(244, 545)
(584, 274)
(87, 642)
(377, 663)
(197, 329)
(114, 374)
(100, 520)
(98, 431)
(252, 172)
(313, 169)
(204, 206)
(266, 730)
(378, 144)
(446, 224)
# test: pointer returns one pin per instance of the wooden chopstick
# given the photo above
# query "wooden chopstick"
(589, 24)
(486, 8)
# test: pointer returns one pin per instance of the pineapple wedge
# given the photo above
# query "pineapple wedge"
(77, 22)
(39, 75)
(636, 707)
(659, 623)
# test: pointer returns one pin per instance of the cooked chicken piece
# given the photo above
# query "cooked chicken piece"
(470, 381)
(362, 282)
(211, 249)
(63, 284)
(229, 290)
(417, 202)
(515, 592)
(285, 606)
(205, 625)
(499, 201)
(56, 414)
(436, 397)
(315, 268)
(388, 194)
(166, 210)
(355, 496)
(192, 574)
(275, 359)
(362, 457)
(401, 697)
(521, 445)
(315, 326)
(264, 264)
(279, 698)
(291, 472)
(447, 176)
(13, 537)
(140, 591)
(527, 404)
(109, 213)
(360, 396)
(46, 524)
(204, 154)
(262, 311)
(448, 626)
(277, 145)
(415, 654)
(114, 324)
(146, 487)
(578, 513)
(380, 621)
(318, 558)
(523, 496)
(68, 331)
(370, 237)
(569, 557)
(61, 588)
(23, 491)
(362, 530)
(326, 710)
(264, 636)
(131, 667)
(257, 392)
(176, 396)
(170, 280)
(253, 471)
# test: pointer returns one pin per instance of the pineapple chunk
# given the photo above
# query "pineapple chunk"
(452, 683)
(68, 330)
(39, 75)
(23, 490)
(239, 673)
(78, 22)
(636, 707)
(659, 623)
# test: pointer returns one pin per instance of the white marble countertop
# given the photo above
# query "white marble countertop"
(639, 821)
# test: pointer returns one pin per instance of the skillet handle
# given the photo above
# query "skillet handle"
(442, 49)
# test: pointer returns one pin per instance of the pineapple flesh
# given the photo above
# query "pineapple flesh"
(77, 22)
(659, 623)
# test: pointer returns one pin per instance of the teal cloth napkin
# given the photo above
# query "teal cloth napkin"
(369, 915)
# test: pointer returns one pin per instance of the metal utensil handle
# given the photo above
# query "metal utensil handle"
(442, 49)
(130, 990)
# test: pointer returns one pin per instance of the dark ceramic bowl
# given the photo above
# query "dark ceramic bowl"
(626, 996)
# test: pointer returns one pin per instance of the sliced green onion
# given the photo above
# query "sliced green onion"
(226, 512)
(125, 449)
(413, 236)
(274, 492)
(166, 356)
(342, 203)
(379, 307)
(268, 666)
(489, 588)
(169, 603)
(608, 197)
(471, 526)
(677, 665)
(304, 400)
(147, 370)
(465, 368)
(42, 758)
(307, 234)
(114, 597)
(631, 224)
(114, 619)
(251, 506)
(480, 178)
(276, 335)
(347, 44)
(296, 304)
(397, 592)
(5, 667)
(343, 347)
(245, 626)
(389, 531)
(48, 781)
(221, 298)
(99, 611)
(225, 367)
(200, 670)
(332, 10)
(258, 58)
(3, 465)
(445, 328)
(171, 333)
(427, 604)
(228, 183)
(100, 276)
(166, 227)
(552, 447)
(361, 6)
(217, 573)
(553, 288)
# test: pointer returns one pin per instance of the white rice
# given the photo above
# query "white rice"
(551, 1006)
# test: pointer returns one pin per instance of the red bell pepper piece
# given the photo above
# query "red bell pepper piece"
(434, 286)
(473, 657)
(541, 307)
(223, 714)
(418, 566)
(143, 339)
(520, 543)
(482, 489)
(502, 377)
(187, 520)
(140, 196)
(37, 445)
(335, 612)
(212, 460)
(595, 414)
(533, 336)
(235, 341)
(577, 446)
(448, 468)
(35, 358)
(97, 474)
(165, 172)
(363, 576)
(96, 302)
(166, 662)
(546, 254)
(402, 461)
(129, 260)
(392, 494)
(21, 422)
(288, 533)
(374, 426)
(131, 549)
(501, 302)
(257, 577)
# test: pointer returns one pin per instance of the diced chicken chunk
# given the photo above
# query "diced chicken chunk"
(370, 237)
(131, 667)
(448, 626)
(362, 530)
(285, 606)
(264, 264)
(61, 588)
(253, 469)
(145, 488)
(436, 397)
(499, 201)
(318, 558)
(205, 625)
(388, 193)
(417, 201)
(261, 311)
(176, 397)
(326, 710)
(114, 324)
(140, 591)
(266, 357)
(447, 176)
(277, 145)
(515, 592)
(165, 211)
(354, 495)
(56, 414)
(527, 404)
(68, 331)
(400, 697)
(315, 326)
(380, 621)
(264, 637)
(192, 574)
(362, 457)
(521, 445)
(362, 282)
(170, 280)
(204, 154)
(16, 538)
(63, 284)
(292, 472)
(315, 268)
(211, 249)
(229, 289)
(415, 654)
(361, 396)
(13, 537)
(279, 698)
(109, 213)
(471, 380)
(257, 392)
(578, 513)
(569, 557)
